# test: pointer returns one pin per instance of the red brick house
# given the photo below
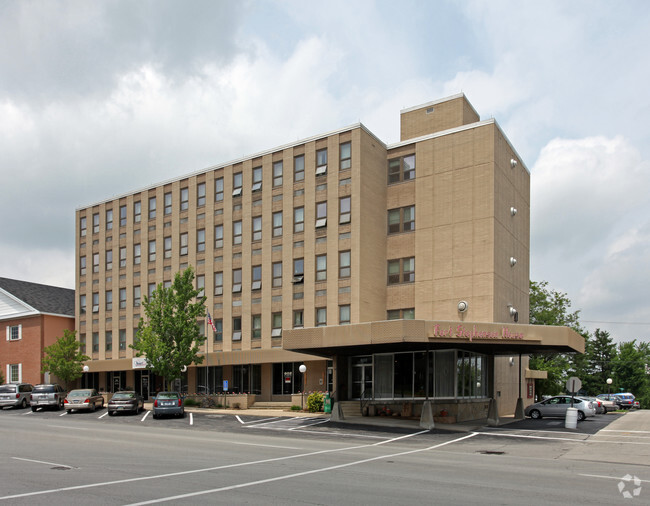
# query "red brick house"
(33, 316)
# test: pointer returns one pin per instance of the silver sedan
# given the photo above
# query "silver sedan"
(557, 407)
(86, 399)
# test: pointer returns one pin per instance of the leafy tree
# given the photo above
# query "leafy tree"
(630, 368)
(600, 353)
(2, 378)
(64, 359)
(170, 337)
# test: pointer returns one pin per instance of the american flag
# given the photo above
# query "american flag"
(211, 323)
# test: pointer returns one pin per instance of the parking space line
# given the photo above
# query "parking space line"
(64, 413)
(145, 416)
(28, 413)
(255, 421)
(609, 477)
(191, 419)
(43, 462)
(102, 416)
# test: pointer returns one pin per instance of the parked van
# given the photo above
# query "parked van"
(15, 394)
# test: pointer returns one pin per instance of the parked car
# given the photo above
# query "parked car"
(168, 403)
(626, 400)
(15, 394)
(83, 399)
(597, 403)
(636, 405)
(48, 395)
(557, 407)
(131, 402)
(608, 401)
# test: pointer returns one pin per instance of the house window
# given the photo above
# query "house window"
(321, 162)
(344, 314)
(200, 195)
(257, 228)
(346, 156)
(277, 173)
(136, 254)
(345, 209)
(82, 304)
(236, 232)
(152, 208)
(298, 270)
(95, 342)
(137, 212)
(96, 302)
(218, 189)
(256, 326)
(14, 373)
(109, 219)
(299, 168)
(344, 264)
(401, 169)
(82, 226)
(122, 338)
(277, 224)
(200, 285)
(401, 271)
(321, 316)
(137, 296)
(14, 332)
(95, 262)
(152, 251)
(277, 274)
(297, 319)
(218, 236)
(321, 267)
(236, 328)
(200, 240)
(82, 266)
(168, 204)
(123, 256)
(401, 220)
(167, 245)
(321, 214)
(218, 333)
(257, 179)
(108, 340)
(256, 277)
(299, 219)
(122, 216)
(218, 283)
(237, 181)
(96, 223)
(185, 199)
(109, 259)
(109, 300)
(184, 243)
(236, 280)
(122, 298)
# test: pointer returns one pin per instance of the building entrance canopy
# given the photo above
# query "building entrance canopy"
(404, 335)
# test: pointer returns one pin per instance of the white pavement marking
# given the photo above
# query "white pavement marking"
(297, 475)
(145, 416)
(630, 431)
(217, 468)
(102, 416)
(608, 477)
(42, 462)
(191, 419)
(530, 436)
(64, 413)
(28, 413)
(255, 421)
(68, 427)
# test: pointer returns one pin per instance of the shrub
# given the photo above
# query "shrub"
(192, 402)
(315, 402)
(295, 408)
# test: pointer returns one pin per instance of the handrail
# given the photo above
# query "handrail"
(366, 397)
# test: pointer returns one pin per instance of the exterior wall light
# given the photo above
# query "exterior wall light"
(513, 211)
(462, 306)
(513, 163)
(513, 261)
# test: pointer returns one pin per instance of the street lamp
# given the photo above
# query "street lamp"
(609, 386)
(303, 370)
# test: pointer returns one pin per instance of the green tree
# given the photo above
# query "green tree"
(600, 353)
(170, 337)
(64, 359)
(2, 378)
(630, 368)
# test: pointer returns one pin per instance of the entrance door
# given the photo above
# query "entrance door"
(361, 376)
(144, 386)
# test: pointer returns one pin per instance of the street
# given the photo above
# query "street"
(49, 457)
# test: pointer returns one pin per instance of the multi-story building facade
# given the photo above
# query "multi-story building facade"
(306, 252)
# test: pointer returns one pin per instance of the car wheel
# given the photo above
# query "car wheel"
(23, 404)
(535, 414)
(604, 410)
(111, 413)
(581, 416)
(92, 407)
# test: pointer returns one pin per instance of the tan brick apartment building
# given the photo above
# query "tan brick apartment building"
(33, 316)
(315, 247)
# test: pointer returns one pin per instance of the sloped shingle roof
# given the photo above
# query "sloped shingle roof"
(43, 298)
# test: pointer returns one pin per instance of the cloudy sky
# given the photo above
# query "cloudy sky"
(102, 98)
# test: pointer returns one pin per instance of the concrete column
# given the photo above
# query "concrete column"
(493, 413)
(426, 418)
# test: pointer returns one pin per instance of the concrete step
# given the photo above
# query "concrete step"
(350, 408)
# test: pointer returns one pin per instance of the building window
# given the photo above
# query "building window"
(236, 328)
(82, 226)
(321, 316)
(256, 326)
(298, 319)
(276, 325)
(82, 304)
(236, 280)
(152, 208)
(122, 298)
(277, 224)
(321, 162)
(152, 251)
(277, 173)
(137, 296)
(95, 342)
(123, 256)
(82, 343)
(137, 212)
(218, 236)
(298, 270)
(218, 189)
(185, 199)
(236, 232)
(218, 333)
(298, 219)
(401, 271)
(168, 204)
(14, 373)
(109, 300)
(122, 216)
(109, 259)
(401, 314)
(345, 209)
(257, 228)
(184, 243)
(136, 254)
(200, 285)
(167, 245)
(321, 214)
(299, 168)
(14, 332)
(95, 262)
(344, 314)
(122, 343)
(256, 277)
(277, 274)
(257, 179)
(346, 156)
(150, 289)
(108, 339)
(200, 240)
(237, 181)
(401, 169)
(96, 223)
(96, 302)
(218, 283)
(109, 219)
(321, 267)
(200, 195)
(401, 220)
(82, 266)
(344, 264)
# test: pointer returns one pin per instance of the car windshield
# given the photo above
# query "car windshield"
(7, 389)
(168, 395)
(124, 395)
(47, 389)
(79, 393)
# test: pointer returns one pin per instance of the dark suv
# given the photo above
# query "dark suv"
(625, 400)
(48, 396)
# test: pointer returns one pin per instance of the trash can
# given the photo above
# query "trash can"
(571, 421)
(327, 403)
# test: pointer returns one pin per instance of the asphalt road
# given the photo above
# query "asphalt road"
(90, 458)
